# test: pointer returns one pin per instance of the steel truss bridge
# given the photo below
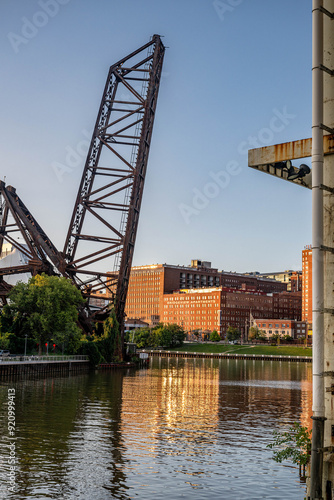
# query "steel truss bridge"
(103, 227)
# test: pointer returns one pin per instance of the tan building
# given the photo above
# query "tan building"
(296, 329)
(289, 278)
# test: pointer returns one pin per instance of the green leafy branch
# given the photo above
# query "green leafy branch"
(294, 444)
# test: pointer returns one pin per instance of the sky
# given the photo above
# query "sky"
(236, 75)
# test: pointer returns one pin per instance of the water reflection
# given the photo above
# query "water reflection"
(182, 428)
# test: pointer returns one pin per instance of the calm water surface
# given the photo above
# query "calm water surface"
(182, 429)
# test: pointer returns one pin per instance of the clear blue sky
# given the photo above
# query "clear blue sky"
(232, 69)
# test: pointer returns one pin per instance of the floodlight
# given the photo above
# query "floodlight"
(293, 172)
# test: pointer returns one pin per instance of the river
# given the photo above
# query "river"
(181, 429)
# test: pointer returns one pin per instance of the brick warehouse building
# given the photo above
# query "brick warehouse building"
(148, 284)
(218, 308)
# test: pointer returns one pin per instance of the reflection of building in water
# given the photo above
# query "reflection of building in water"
(251, 393)
(306, 400)
(194, 403)
(184, 395)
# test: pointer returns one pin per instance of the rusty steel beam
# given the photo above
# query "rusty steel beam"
(104, 222)
(264, 159)
(38, 246)
(287, 151)
(139, 179)
(108, 211)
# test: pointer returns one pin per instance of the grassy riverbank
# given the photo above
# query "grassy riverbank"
(282, 350)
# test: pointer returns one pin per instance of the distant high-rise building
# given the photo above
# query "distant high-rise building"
(307, 285)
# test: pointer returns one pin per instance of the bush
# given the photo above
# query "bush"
(295, 445)
(91, 350)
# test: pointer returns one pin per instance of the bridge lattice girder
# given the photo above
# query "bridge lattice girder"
(105, 218)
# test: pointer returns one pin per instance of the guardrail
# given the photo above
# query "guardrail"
(39, 359)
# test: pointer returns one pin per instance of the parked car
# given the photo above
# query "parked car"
(4, 353)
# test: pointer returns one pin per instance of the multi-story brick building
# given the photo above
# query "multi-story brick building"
(148, 284)
(296, 281)
(287, 305)
(194, 309)
(307, 285)
(218, 308)
(251, 282)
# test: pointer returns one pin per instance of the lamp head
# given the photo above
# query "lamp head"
(304, 170)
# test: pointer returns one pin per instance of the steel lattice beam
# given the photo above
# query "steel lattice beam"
(105, 218)
(111, 187)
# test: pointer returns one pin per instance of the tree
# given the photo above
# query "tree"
(255, 334)
(142, 337)
(276, 337)
(215, 337)
(47, 309)
(294, 444)
(233, 333)
(111, 341)
(160, 336)
(167, 335)
(177, 335)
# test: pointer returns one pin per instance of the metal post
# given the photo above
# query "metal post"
(25, 345)
(317, 257)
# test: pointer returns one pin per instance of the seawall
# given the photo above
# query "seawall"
(261, 357)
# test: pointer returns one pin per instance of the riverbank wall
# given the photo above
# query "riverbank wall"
(261, 357)
(20, 369)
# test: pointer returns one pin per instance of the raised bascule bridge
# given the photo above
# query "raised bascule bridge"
(98, 250)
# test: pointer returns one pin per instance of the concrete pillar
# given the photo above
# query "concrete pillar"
(328, 220)
(322, 462)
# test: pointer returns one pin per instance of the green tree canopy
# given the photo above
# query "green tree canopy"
(255, 334)
(46, 308)
(215, 337)
(233, 333)
(160, 336)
